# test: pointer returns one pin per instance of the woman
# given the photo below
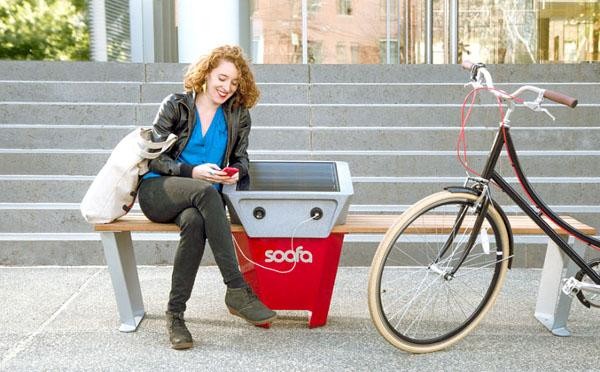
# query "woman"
(212, 122)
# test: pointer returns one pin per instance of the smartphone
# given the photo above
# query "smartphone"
(230, 171)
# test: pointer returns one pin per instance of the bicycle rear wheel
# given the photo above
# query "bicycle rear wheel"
(414, 303)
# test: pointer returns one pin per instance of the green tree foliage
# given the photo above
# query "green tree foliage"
(43, 30)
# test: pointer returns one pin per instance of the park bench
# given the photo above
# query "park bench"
(552, 308)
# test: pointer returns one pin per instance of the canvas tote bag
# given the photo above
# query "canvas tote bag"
(114, 189)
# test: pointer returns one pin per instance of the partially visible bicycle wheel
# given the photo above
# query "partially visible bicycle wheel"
(587, 298)
(414, 303)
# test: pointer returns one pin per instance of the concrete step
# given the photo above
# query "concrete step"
(173, 72)
(32, 220)
(36, 91)
(505, 73)
(336, 115)
(107, 137)
(317, 138)
(377, 163)
(441, 93)
(52, 113)
(52, 162)
(319, 93)
(554, 191)
(69, 113)
(445, 139)
(367, 190)
(395, 125)
(115, 71)
(446, 164)
(128, 92)
(53, 217)
(71, 71)
(269, 92)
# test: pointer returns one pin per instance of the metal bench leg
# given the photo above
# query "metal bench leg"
(553, 306)
(120, 259)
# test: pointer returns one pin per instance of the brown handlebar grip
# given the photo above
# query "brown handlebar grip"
(467, 65)
(560, 98)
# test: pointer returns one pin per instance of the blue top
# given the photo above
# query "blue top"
(209, 148)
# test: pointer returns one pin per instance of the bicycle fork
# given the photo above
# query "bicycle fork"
(479, 209)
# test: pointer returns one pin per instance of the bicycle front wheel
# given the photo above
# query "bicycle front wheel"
(416, 301)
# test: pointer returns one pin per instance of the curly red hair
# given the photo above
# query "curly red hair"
(247, 93)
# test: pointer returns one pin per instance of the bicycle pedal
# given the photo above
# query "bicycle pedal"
(571, 286)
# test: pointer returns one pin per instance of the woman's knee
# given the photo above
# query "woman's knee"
(207, 196)
(190, 220)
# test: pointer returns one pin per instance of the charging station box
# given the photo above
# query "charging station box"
(287, 253)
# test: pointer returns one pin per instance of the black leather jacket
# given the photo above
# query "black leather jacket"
(177, 115)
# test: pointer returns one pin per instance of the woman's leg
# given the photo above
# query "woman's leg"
(162, 199)
(198, 209)
(187, 259)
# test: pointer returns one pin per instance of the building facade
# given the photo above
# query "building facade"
(364, 31)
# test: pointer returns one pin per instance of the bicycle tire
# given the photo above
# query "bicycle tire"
(405, 310)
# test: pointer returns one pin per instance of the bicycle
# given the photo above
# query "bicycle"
(417, 283)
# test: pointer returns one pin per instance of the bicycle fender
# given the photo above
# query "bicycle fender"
(462, 189)
(457, 189)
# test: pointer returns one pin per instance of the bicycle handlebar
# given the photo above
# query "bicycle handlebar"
(467, 65)
(560, 98)
(478, 68)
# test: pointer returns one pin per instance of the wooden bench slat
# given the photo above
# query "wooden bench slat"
(355, 223)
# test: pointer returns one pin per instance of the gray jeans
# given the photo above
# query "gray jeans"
(197, 208)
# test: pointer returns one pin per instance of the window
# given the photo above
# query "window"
(354, 53)
(345, 7)
(341, 53)
(393, 51)
(383, 9)
(313, 6)
(296, 8)
(315, 54)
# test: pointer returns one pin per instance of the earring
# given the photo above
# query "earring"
(204, 87)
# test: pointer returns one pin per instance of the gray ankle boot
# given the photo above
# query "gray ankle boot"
(179, 335)
(244, 303)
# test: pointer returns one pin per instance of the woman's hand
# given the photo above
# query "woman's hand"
(212, 173)
(230, 180)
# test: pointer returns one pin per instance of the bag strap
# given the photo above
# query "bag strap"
(158, 145)
(145, 144)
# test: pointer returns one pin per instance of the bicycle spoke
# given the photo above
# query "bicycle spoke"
(421, 303)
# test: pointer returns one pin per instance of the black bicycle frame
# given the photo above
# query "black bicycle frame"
(503, 138)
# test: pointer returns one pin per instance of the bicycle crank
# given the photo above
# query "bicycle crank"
(587, 292)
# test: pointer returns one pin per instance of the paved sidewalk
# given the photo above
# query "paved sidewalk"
(65, 318)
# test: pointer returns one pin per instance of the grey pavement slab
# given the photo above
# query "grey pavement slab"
(70, 322)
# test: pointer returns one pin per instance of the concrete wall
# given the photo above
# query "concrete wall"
(395, 125)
